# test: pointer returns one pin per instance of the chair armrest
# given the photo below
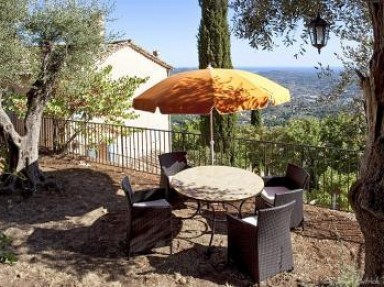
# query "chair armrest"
(294, 194)
(298, 191)
(236, 223)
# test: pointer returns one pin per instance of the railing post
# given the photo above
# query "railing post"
(122, 148)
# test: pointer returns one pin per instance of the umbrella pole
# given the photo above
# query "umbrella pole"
(212, 141)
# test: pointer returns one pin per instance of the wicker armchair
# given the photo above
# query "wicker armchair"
(282, 189)
(149, 223)
(295, 177)
(171, 163)
(261, 245)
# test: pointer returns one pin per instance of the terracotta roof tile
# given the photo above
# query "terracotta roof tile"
(116, 45)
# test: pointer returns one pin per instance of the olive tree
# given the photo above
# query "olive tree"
(40, 42)
(363, 23)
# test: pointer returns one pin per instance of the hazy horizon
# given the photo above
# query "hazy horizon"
(266, 68)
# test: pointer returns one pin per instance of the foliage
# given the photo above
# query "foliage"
(66, 31)
(263, 22)
(187, 137)
(344, 131)
(59, 39)
(213, 37)
(349, 277)
(74, 27)
(256, 119)
(95, 95)
(334, 188)
(12, 51)
(6, 256)
(326, 147)
(303, 131)
(330, 136)
(214, 49)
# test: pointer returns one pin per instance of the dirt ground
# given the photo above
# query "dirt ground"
(73, 237)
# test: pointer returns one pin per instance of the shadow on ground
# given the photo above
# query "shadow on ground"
(79, 232)
(82, 190)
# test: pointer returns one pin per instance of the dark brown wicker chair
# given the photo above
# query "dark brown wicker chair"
(149, 223)
(297, 216)
(261, 245)
(171, 163)
(295, 177)
(282, 189)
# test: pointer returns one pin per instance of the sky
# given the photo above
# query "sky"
(171, 28)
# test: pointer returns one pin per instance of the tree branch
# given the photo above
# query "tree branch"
(361, 76)
(8, 129)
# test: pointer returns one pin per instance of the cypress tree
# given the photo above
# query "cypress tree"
(215, 49)
(256, 119)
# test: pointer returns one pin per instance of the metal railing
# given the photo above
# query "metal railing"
(332, 170)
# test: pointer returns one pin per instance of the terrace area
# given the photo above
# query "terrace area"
(75, 236)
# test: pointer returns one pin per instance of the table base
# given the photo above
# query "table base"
(210, 214)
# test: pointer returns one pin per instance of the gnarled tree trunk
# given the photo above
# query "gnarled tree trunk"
(23, 150)
(367, 195)
(23, 154)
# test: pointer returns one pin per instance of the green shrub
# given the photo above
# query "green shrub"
(6, 256)
(337, 186)
(350, 277)
(319, 198)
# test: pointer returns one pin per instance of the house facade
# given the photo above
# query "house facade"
(129, 59)
(141, 145)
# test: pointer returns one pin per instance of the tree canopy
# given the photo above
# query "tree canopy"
(263, 22)
(43, 43)
(93, 95)
(12, 51)
(361, 22)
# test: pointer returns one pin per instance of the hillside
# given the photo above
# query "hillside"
(309, 93)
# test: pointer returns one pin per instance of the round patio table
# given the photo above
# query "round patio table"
(217, 184)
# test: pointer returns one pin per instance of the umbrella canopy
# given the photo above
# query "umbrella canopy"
(202, 91)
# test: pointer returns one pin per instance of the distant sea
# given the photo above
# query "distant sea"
(262, 70)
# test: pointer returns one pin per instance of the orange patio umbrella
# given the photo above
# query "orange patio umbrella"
(201, 91)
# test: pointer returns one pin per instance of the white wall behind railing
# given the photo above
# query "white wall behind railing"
(127, 61)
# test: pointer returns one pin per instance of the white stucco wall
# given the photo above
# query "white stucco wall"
(140, 145)
(127, 61)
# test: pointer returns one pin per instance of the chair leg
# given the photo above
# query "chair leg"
(167, 192)
(171, 243)
(128, 249)
(259, 204)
